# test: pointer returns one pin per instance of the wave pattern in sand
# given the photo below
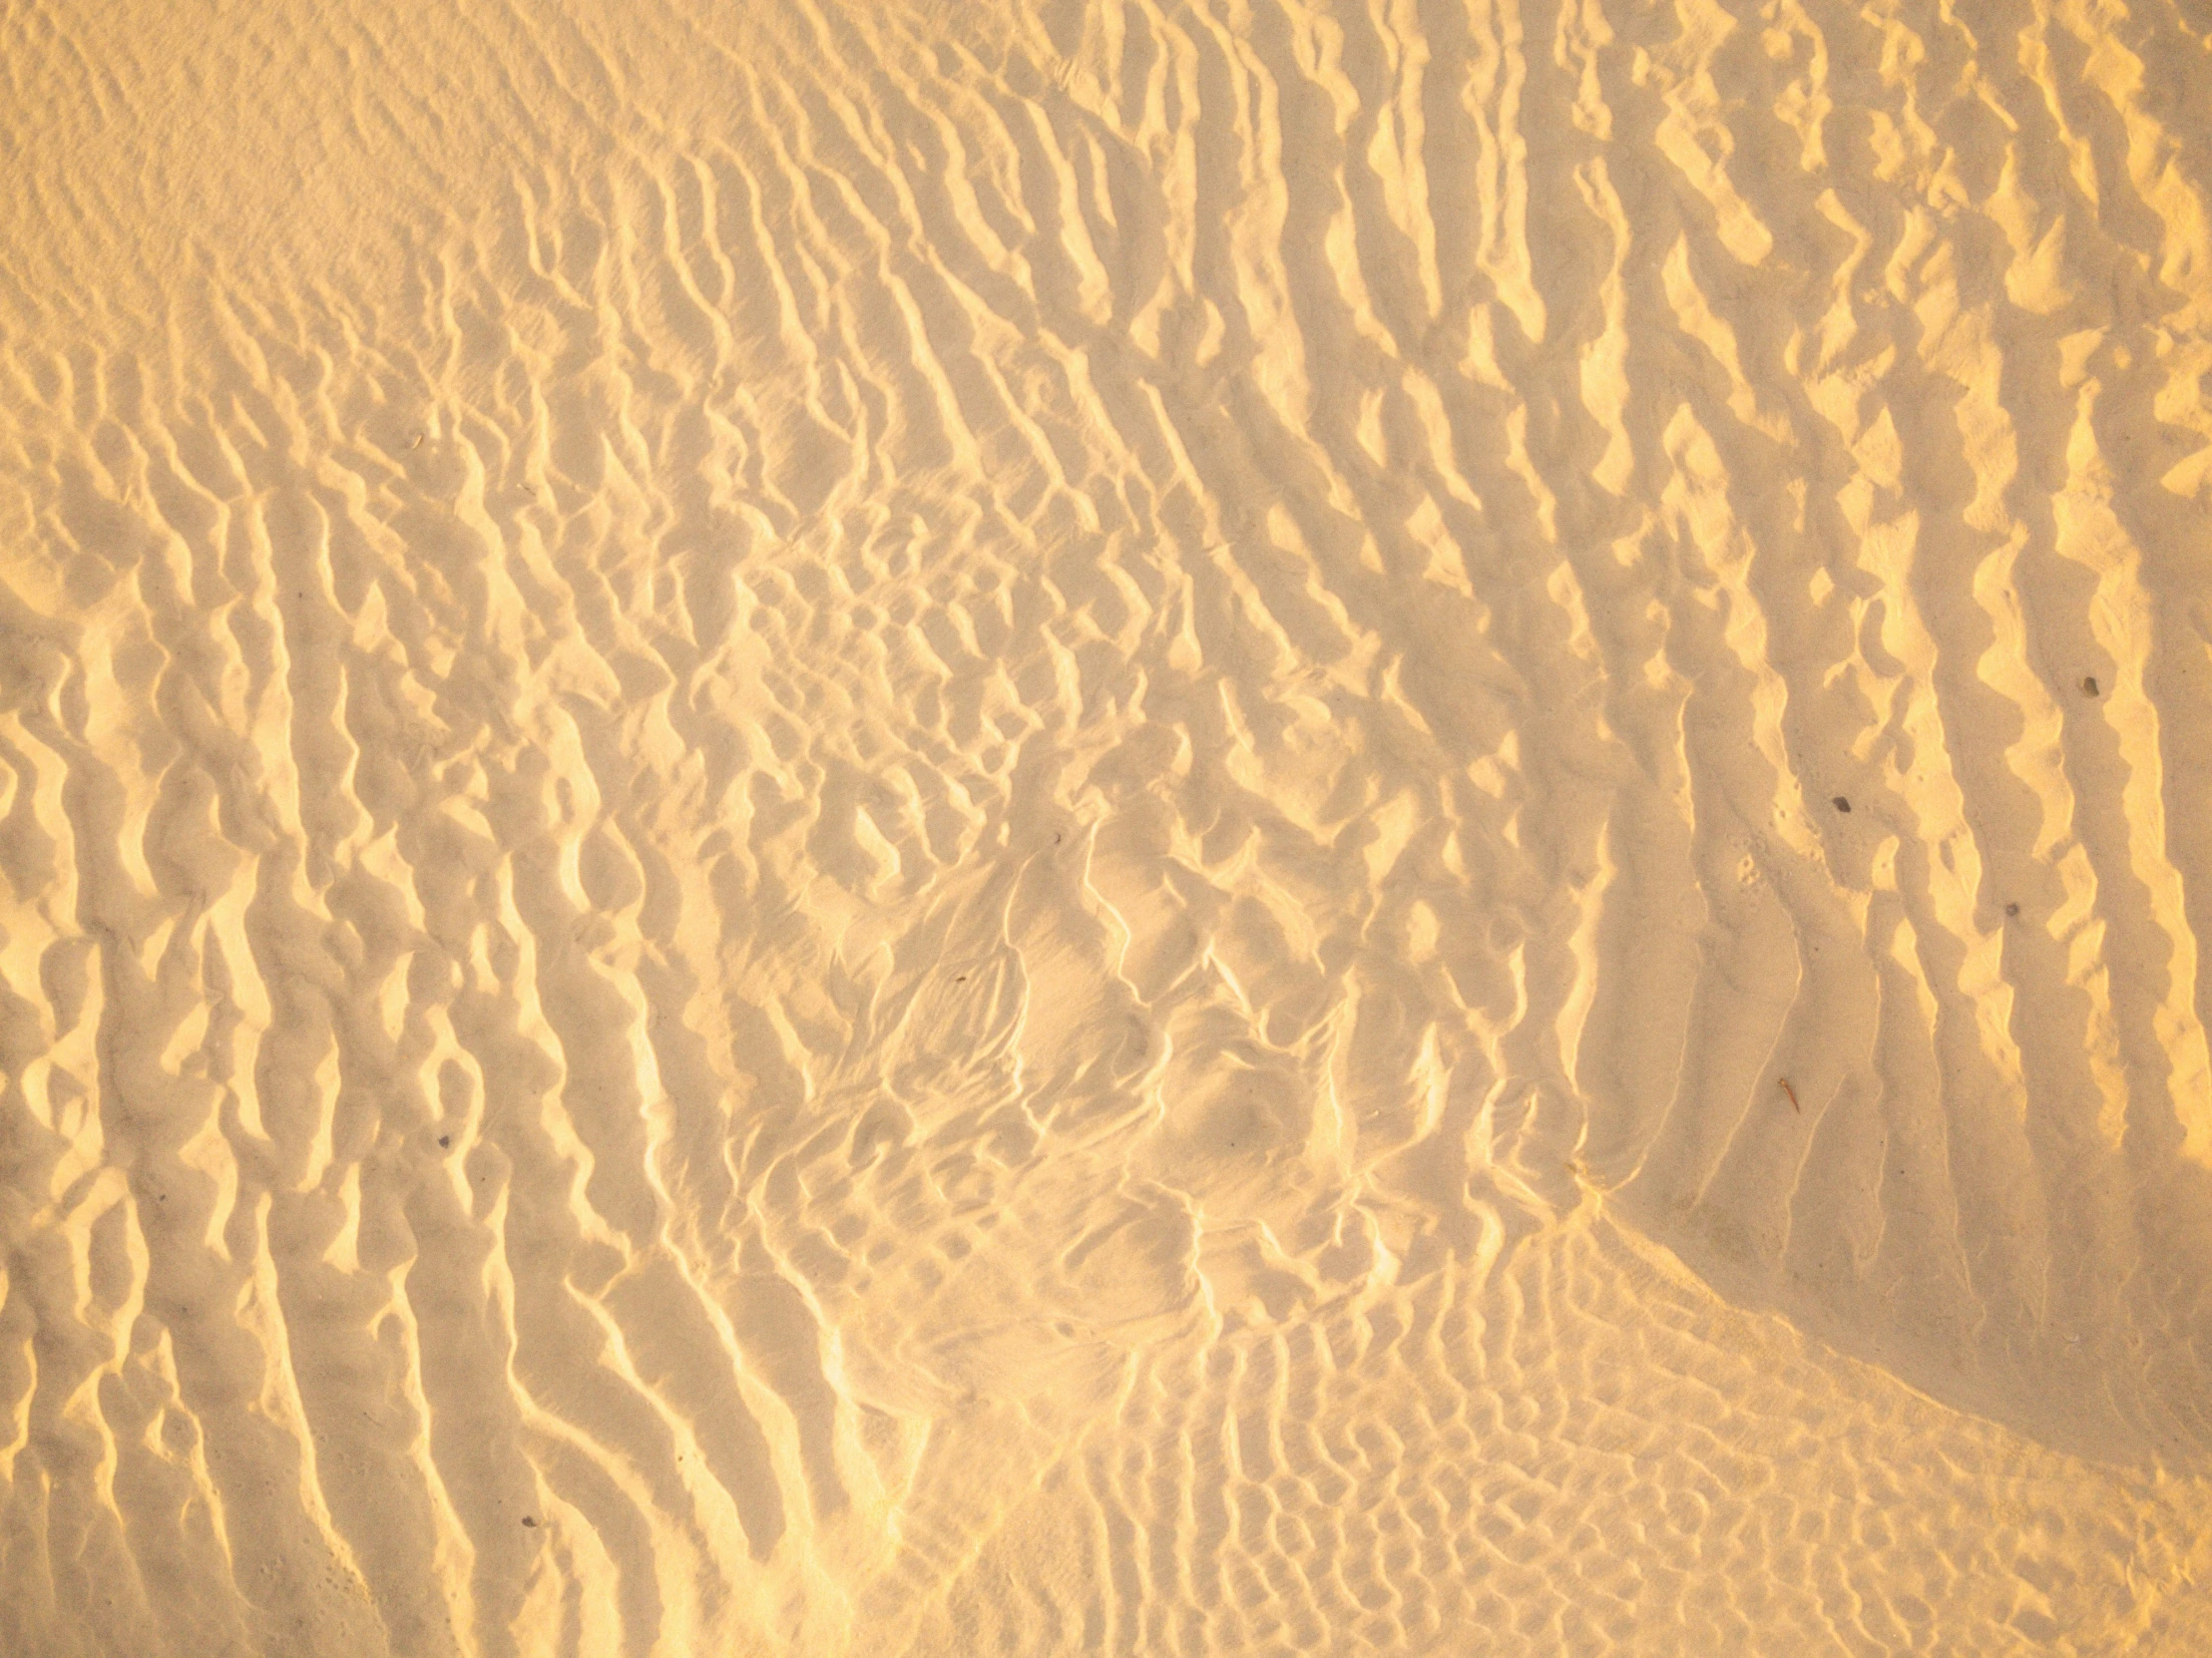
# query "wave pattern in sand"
(912, 831)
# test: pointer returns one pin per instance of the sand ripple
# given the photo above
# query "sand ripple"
(1231, 828)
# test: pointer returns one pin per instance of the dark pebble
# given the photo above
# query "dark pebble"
(1842, 805)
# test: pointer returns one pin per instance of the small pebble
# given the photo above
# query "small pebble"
(2011, 908)
(2089, 685)
(445, 1140)
(527, 1520)
(1842, 805)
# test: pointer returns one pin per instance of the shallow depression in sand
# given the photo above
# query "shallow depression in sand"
(1233, 828)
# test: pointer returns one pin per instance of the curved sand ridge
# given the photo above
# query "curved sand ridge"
(905, 831)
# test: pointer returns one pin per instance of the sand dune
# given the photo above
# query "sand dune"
(1226, 828)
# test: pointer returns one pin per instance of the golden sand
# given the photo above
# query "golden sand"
(1238, 828)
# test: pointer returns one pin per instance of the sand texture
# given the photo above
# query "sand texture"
(1157, 827)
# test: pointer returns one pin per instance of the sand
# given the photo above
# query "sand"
(1227, 827)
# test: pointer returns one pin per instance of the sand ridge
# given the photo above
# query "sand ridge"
(1141, 828)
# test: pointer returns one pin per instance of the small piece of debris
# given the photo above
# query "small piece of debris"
(445, 1140)
(415, 442)
(2089, 685)
(1841, 804)
(527, 1520)
(2011, 908)
(1792, 1092)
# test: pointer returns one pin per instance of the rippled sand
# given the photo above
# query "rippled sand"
(1129, 828)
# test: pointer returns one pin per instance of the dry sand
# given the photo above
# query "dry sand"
(1143, 828)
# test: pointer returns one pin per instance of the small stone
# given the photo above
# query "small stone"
(445, 1140)
(1842, 805)
(527, 1520)
(2011, 908)
(2089, 685)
